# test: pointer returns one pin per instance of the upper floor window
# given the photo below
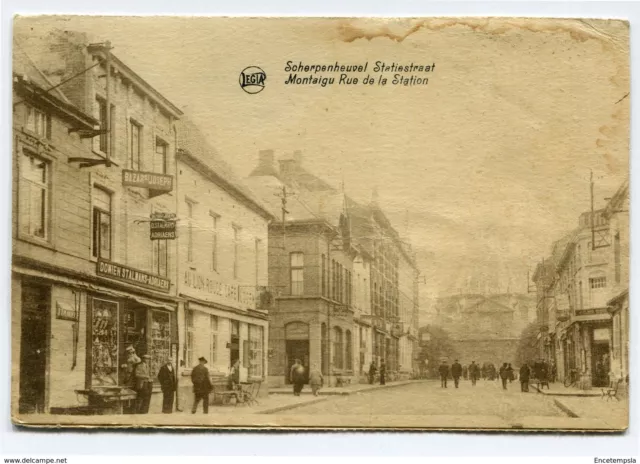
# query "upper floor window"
(236, 251)
(190, 207)
(101, 223)
(258, 257)
(160, 257)
(33, 209)
(297, 273)
(598, 282)
(135, 149)
(160, 159)
(103, 141)
(38, 122)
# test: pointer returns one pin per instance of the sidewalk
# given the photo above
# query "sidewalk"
(348, 390)
(558, 389)
(615, 414)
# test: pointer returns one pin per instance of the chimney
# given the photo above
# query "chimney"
(265, 165)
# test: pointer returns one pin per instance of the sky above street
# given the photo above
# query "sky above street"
(481, 169)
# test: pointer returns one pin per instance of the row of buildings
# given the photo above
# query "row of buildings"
(128, 229)
(583, 297)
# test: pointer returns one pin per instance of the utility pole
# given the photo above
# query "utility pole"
(283, 199)
(107, 123)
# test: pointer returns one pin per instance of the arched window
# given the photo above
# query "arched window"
(348, 351)
(338, 347)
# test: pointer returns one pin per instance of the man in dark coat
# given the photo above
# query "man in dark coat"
(524, 377)
(444, 373)
(201, 386)
(372, 372)
(168, 384)
(297, 377)
(504, 375)
(474, 372)
(383, 373)
(456, 372)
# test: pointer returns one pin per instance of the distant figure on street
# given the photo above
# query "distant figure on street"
(524, 377)
(465, 372)
(296, 376)
(554, 372)
(234, 376)
(168, 384)
(372, 373)
(315, 380)
(144, 386)
(484, 371)
(504, 375)
(510, 375)
(383, 373)
(444, 373)
(474, 373)
(201, 386)
(456, 372)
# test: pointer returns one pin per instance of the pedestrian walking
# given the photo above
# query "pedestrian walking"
(456, 372)
(316, 380)
(524, 377)
(510, 374)
(554, 372)
(168, 385)
(444, 374)
(296, 377)
(201, 386)
(504, 375)
(474, 373)
(144, 386)
(372, 372)
(383, 373)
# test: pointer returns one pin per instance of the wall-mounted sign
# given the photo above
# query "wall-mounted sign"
(162, 230)
(132, 276)
(66, 312)
(155, 182)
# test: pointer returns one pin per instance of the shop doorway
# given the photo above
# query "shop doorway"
(600, 363)
(34, 347)
(298, 349)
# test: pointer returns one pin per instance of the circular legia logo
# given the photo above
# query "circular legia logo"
(252, 79)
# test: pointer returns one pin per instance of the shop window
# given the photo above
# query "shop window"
(38, 122)
(34, 196)
(213, 338)
(101, 223)
(135, 147)
(190, 323)
(348, 351)
(338, 347)
(297, 273)
(256, 342)
(160, 341)
(160, 257)
(160, 160)
(104, 343)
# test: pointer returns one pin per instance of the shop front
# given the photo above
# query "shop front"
(74, 333)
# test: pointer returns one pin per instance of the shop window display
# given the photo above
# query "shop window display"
(160, 346)
(104, 334)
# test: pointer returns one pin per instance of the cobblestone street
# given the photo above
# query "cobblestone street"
(428, 398)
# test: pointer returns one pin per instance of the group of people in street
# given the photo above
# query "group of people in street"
(138, 378)
(298, 377)
(457, 371)
(373, 370)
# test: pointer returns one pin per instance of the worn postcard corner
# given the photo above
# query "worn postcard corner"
(320, 223)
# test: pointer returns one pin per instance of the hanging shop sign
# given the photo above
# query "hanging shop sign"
(155, 182)
(66, 312)
(162, 230)
(132, 276)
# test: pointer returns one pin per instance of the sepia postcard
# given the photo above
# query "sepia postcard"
(330, 223)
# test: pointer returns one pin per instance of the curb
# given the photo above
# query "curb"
(347, 392)
(580, 395)
(565, 409)
(292, 406)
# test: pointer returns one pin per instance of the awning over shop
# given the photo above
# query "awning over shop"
(77, 283)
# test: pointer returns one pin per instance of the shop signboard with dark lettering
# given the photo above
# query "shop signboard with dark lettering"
(156, 183)
(132, 276)
(162, 230)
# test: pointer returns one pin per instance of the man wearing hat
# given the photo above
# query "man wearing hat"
(168, 383)
(201, 385)
(129, 367)
(144, 386)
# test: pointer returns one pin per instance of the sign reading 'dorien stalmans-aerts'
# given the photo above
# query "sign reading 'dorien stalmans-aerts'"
(132, 276)
(149, 180)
